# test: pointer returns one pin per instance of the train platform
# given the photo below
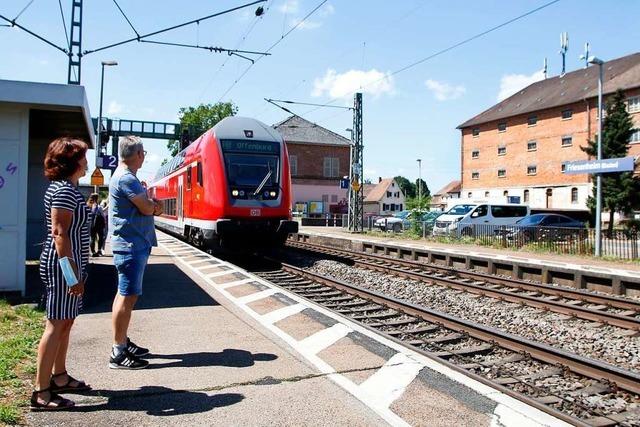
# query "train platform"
(228, 348)
(620, 278)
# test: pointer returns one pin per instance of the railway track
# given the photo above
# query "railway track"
(603, 309)
(574, 388)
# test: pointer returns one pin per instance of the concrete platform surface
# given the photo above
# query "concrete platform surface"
(231, 349)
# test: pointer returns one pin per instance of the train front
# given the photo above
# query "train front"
(258, 183)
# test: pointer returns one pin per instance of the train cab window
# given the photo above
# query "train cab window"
(189, 178)
(199, 173)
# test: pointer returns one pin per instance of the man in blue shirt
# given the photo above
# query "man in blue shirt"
(133, 235)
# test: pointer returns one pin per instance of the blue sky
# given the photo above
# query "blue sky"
(345, 44)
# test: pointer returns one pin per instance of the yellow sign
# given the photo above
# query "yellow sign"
(355, 185)
(97, 178)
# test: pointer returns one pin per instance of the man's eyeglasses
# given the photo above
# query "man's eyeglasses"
(144, 152)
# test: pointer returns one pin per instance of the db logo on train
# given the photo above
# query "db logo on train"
(255, 212)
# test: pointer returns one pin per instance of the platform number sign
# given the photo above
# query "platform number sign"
(109, 162)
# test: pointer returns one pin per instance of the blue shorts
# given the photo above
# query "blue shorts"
(130, 266)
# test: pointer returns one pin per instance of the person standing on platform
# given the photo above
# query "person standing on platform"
(63, 270)
(97, 225)
(133, 235)
(105, 212)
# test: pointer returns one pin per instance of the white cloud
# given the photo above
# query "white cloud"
(327, 10)
(114, 108)
(336, 85)
(289, 6)
(443, 91)
(511, 83)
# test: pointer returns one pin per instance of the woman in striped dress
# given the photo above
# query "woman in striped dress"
(68, 222)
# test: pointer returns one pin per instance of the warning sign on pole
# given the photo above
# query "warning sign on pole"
(355, 185)
(97, 178)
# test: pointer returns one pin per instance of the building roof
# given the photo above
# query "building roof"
(622, 73)
(452, 187)
(296, 129)
(367, 188)
(379, 190)
(64, 109)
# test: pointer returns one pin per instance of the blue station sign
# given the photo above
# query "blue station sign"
(622, 164)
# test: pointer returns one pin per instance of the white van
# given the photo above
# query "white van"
(488, 219)
(449, 220)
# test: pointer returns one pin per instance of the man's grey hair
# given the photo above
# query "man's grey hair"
(128, 146)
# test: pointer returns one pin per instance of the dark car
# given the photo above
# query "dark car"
(547, 227)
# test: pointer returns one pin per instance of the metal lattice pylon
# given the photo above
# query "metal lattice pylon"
(356, 190)
(75, 43)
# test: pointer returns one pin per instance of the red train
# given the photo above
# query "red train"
(229, 188)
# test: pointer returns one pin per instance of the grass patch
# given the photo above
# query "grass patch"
(20, 330)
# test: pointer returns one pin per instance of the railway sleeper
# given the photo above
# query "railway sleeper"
(612, 420)
(444, 339)
(368, 307)
(468, 351)
(498, 362)
(375, 316)
(545, 373)
(352, 304)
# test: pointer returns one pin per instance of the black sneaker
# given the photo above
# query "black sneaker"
(136, 350)
(126, 360)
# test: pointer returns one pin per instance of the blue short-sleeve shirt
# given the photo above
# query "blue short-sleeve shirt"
(131, 231)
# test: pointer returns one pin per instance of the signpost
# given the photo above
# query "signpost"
(622, 164)
(107, 162)
(97, 179)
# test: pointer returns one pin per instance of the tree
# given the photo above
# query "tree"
(407, 187)
(418, 203)
(619, 190)
(424, 189)
(201, 118)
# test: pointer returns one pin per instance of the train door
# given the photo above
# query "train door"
(179, 201)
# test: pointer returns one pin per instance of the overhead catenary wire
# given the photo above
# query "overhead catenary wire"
(164, 30)
(126, 18)
(244, 73)
(443, 51)
(23, 9)
(39, 37)
(66, 35)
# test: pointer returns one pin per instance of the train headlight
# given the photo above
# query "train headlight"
(272, 193)
(234, 193)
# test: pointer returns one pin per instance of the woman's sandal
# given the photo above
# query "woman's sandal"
(67, 387)
(54, 403)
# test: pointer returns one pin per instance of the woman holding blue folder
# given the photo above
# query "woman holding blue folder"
(63, 270)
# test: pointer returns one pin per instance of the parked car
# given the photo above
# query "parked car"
(490, 219)
(449, 220)
(546, 227)
(392, 222)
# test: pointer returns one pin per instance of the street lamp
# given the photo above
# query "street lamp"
(98, 128)
(600, 63)
(420, 183)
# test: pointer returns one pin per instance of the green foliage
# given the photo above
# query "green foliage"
(407, 187)
(201, 118)
(20, 330)
(620, 191)
(420, 204)
(422, 188)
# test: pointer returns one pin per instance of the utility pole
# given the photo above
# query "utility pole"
(356, 191)
(598, 249)
(75, 43)
(420, 183)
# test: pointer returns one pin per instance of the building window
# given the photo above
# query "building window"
(526, 196)
(486, 194)
(574, 195)
(567, 114)
(502, 150)
(325, 198)
(502, 173)
(331, 166)
(475, 175)
(563, 168)
(532, 170)
(293, 164)
(384, 207)
(388, 193)
(505, 193)
(475, 132)
(633, 104)
(635, 136)
(469, 195)
(532, 146)
(334, 198)
(502, 127)
(567, 141)
(475, 154)
(532, 120)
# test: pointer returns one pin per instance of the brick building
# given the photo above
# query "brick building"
(319, 158)
(518, 147)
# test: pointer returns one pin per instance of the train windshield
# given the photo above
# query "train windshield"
(250, 163)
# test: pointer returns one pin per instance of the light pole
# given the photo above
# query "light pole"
(99, 127)
(600, 63)
(420, 183)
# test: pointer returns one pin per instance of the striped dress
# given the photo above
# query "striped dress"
(64, 195)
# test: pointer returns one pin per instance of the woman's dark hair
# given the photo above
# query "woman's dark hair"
(93, 198)
(63, 158)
